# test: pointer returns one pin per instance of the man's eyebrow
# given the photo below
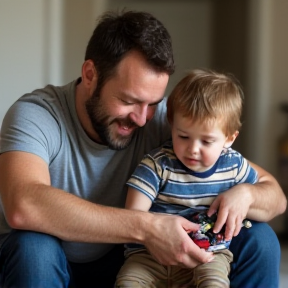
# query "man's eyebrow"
(157, 102)
(137, 100)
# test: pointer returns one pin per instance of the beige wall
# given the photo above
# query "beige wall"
(42, 42)
(266, 81)
(22, 50)
(188, 22)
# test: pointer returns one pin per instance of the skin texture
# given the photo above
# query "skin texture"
(30, 203)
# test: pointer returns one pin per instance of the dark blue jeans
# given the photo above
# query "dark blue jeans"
(37, 260)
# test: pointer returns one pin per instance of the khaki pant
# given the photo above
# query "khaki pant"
(142, 270)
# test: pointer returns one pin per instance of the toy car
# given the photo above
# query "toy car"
(205, 237)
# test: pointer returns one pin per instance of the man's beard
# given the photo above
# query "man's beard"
(100, 121)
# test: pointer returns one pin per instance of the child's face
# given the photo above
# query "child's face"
(197, 145)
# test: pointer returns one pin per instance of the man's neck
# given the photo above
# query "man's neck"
(81, 97)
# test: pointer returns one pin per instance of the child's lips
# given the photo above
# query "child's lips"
(192, 160)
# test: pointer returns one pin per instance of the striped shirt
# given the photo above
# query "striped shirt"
(165, 180)
(175, 189)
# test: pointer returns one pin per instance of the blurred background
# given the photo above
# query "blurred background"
(43, 42)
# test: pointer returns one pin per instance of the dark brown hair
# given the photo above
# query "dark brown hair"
(119, 33)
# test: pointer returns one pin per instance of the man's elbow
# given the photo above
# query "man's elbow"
(15, 219)
(18, 217)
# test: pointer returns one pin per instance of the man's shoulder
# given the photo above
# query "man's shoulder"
(37, 122)
(49, 95)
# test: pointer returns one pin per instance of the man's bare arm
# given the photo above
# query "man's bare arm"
(30, 203)
(269, 200)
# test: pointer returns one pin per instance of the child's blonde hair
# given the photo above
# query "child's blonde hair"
(205, 95)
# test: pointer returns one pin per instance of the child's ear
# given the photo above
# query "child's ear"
(230, 139)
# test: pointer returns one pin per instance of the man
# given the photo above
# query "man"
(66, 153)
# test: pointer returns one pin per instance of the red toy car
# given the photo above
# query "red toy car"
(205, 237)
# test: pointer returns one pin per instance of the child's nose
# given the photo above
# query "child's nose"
(194, 147)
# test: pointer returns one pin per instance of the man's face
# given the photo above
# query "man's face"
(126, 101)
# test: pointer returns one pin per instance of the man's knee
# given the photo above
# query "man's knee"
(33, 257)
(256, 257)
(28, 244)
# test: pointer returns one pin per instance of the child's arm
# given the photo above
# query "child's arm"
(137, 201)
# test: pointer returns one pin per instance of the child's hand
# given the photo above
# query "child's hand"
(232, 206)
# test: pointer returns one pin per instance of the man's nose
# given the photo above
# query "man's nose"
(140, 115)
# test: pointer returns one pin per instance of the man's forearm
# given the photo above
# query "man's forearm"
(269, 200)
(31, 203)
(70, 218)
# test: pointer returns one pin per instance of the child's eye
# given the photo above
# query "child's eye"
(183, 137)
(207, 143)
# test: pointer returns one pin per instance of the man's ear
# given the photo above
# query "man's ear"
(230, 139)
(89, 75)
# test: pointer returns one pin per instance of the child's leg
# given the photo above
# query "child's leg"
(215, 273)
(142, 270)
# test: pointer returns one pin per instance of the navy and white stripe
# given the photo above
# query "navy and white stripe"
(165, 180)
(175, 189)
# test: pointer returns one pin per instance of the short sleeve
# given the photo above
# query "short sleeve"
(246, 174)
(146, 177)
(31, 128)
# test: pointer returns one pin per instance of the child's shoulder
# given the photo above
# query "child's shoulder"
(230, 152)
(163, 155)
(166, 149)
(231, 156)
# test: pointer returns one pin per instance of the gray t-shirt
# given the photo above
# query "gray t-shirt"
(45, 123)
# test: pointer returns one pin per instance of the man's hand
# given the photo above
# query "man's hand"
(232, 208)
(168, 241)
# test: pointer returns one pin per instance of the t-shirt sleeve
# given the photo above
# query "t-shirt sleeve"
(146, 177)
(31, 128)
(246, 174)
